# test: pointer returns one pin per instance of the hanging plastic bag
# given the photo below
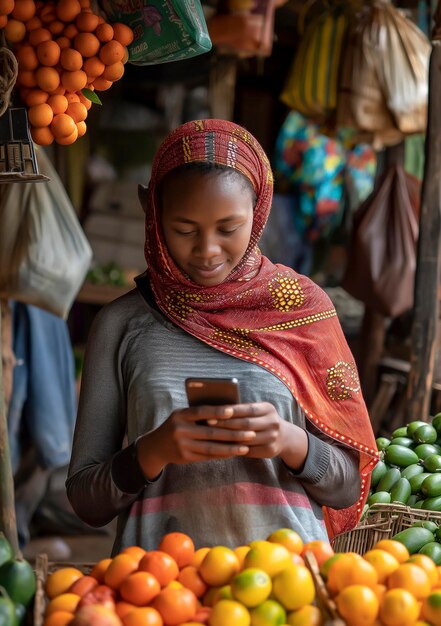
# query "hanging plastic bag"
(311, 87)
(382, 259)
(165, 30)
(44, 254)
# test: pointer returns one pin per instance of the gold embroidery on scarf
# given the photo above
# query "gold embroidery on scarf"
(301, 321)
(237, 338)
(186, 148)
(342, 381)
(199, 124)
(178, 304)
(286, 292)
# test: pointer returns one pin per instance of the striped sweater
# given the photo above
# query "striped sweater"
(135, 367)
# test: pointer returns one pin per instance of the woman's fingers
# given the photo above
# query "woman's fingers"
(214, 433)
(211, 449)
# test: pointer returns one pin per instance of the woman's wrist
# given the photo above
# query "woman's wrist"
(295, 447)
(148, 455)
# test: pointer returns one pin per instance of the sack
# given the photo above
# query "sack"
(382, 259)
(44, 254)
(164, 30)
(311, 87)
(244, 34)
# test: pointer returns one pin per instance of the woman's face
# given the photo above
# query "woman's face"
(207, 222)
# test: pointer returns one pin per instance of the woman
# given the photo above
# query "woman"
(297, 447)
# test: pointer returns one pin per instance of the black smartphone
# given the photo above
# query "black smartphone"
(214, 391)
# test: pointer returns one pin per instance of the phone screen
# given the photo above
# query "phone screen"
(212, 391)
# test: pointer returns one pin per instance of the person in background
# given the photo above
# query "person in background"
(298, 449)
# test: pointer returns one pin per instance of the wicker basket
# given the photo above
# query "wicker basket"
(382, 521)
(43, 567)
(323, 599)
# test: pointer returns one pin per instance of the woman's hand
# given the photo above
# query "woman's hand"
(181, 439)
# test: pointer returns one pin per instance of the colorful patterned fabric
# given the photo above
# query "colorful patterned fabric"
(262, 313)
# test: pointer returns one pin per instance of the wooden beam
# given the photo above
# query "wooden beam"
(7, 504)
(426, 301)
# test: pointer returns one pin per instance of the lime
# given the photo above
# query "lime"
(425, 434)
(18, 579)
(269, 613)
(382, 443)
(7, 610)
(436, 423)
(412, 426)
(432, 463)
(251, 586)
(5, 550)
(400, 432)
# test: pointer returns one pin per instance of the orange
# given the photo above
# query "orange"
(324, 569)
(114, 72)
(33, 23)
(83, 585)
(72, 97)
(161, 565)
(229, 613)
(67, 10)
(70, 31)
(63, 42)
(397, 549)
(241, 552)
(47, 78)
(42, 136)
(26, 78)
(74, 81)
(111, 52)
(81, 128)
(358, 605)
(379, 591)
(27, 59)
(104, 32)
(87, 44)
(399, 608)
(58, 104)
(285, 536)
(48, 17)
(122, 33)
(100, 84)
(36, 96)
(426, 563)
(122, 608)
(431, 609)
(56, 27)
(64, 602)
(142, 616)
(71, 59)
(179, 546)
(139, 588)
(14, 31)
(383, 562)
(251, 586)
(39, 35)
(198, 556)
(411, 577)
(6, 6)
(359, 572)
(219, 566)
(219, 593)
(58, 618)
(136, 552)
(122, 565)
(81, 98)
(93, 67)
(86, 22)
(322, 550)
(3, 20)
(23, 10)
(294, 587)
(306, 616)
(101, 594)
(175, 605)
(48, 53)
(190, 578)
(58, 582)
(271, 557)
(338, 569)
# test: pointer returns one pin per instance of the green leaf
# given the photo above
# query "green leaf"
(91, 95)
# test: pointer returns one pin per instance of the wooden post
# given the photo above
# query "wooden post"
(7, 504)
(426, 301)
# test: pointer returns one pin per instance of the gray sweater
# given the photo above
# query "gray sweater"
(134, 372)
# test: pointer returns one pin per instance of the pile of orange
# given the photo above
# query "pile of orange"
(385, 586)
(62, 47)
(264, 583)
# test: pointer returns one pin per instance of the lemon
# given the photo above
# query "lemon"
(252, 586)
(229, 613)
(294, 587)
(271, 557)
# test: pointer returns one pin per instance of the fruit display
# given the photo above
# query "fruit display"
(265, 583)
(409, 471)
(65, 53)
(385, 586)
(17, 585)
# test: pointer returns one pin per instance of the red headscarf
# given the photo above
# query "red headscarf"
(262, 313)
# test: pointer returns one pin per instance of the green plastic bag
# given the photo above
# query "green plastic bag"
(165, 30)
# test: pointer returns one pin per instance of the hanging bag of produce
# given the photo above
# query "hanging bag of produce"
(165, 30)
(44, 254)
(382, 259)
(311, 86)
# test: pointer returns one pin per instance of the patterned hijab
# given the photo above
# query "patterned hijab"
(262, 313)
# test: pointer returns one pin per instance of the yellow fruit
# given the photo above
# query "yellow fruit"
(251, 586)
(269, 613)
(229, 613)
(411, 577)
(431, 610)
(308, 615)
(383, 562)
(399, 608)
(58, 582)
(294, 587)
(271, 557)
(358, 605)
(288, 538)
(219, 566)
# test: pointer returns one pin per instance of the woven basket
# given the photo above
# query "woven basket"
(323, 599)
(382, 521)
(43, 567)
